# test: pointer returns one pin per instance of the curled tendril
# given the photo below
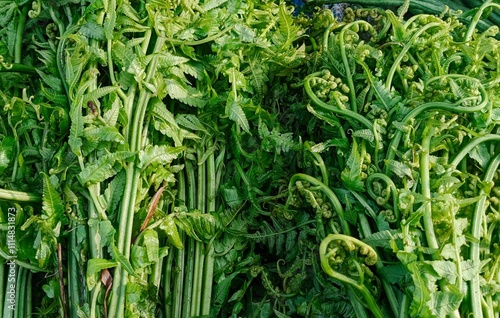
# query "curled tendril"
(5, 64)
(346, 259)
(255, 270)
(36, 9)
(382, 189)
(52, 31)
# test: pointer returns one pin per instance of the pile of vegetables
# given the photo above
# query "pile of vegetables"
(230, 158)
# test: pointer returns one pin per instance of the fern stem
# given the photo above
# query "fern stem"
(180, 257)
(199, 258)
(127, 208)
(19, 196)
(476, 224)
(345, 61)
(208, 273)
(426, 192)
(190, 248)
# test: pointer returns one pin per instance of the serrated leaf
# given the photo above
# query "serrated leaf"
(236, 113)
(211, 4)
(92, 30)
(110, 116)
(444, 303)
(107, 133)
(386, 97)
(114, 192)
(445, 269)
(158, 155)
(50, 80)
(98, 93)
(170, 228)
(52, 204)
(124, 262)
(366, 134)
(200, 226)
(190, 121)
(151, 243)
(352, 173)
(400, 169)
(382, 238)
(103, 168)
(469, 269)
(245, 32)
(184, 93)
(8, 8)
(167, 59)
(76, 130)
(95, 265)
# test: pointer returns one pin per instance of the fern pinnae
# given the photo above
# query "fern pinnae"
(212, 4)
(130, 12)
(99, 93)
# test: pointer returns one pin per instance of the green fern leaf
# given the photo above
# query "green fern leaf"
(191, 122)
(352, 173)
(286, 25)
(385, 96)
(366, 134)
(50, 80)
(103, 169)
(8, 8)
(110, 116)
(158, 155)
(200, 226)
(128, 10)
(212, 4)
(76, 130)
(167, 59)
(382, 238)
(92, 30)
(98, 93)
(184, 93)
(107, 133)
(52, 204)
(113, 193)
(236, 113)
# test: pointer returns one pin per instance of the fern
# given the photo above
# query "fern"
(200, 226)
(191, 122)
(92, 30)
(184, 93)
(107, 133)
(113, 193)
(103, 169)
(278, 236)
(98, 93)
(235, 113)
(52, 204)
(458, 91)
(366, 134)
(110, 116)
(385, 96)
(8, 8)
(167, 59)
(158, 155)
(288, 30)
(76, 130)
(212, 4)
(351, 176)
